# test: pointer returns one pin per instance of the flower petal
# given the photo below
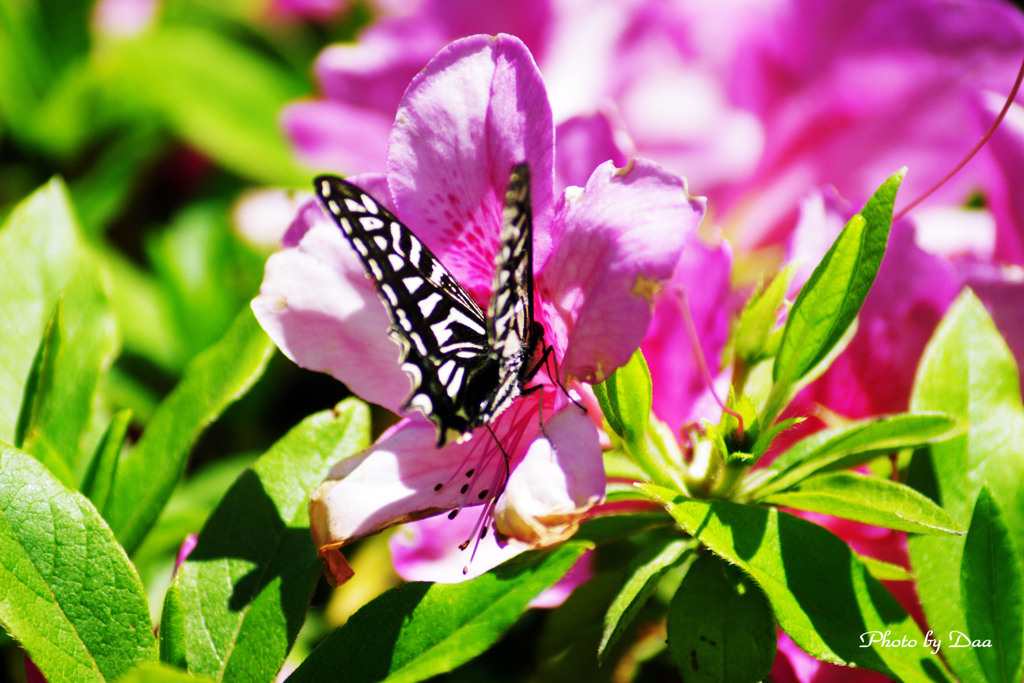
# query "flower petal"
(1007, 147)
(404, 477)
(681, 394)
(476, 110)
(848, 92)
(322, 312)
(585, 142)
(374, 72)
(617, 241)
(555, 485)
(337, 136)
(428, 550)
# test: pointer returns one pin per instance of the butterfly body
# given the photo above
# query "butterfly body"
(466, 366)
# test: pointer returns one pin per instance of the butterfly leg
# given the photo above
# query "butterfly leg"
(548, 357)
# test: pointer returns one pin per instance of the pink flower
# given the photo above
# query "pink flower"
(600, 251)
(848, 93)
(701, 283)
(362, 83)
(124, 18)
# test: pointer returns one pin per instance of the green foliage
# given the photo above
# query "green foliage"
(39, 251)
(421, 630)
(79, 344)
(968, 372)
(71, 597)
(147, 475)
(720, 626)
(756, 338)
(641, 578)
(224, 98)
(831, 298)
(238, 602)
(992, 586)
(870, 500)
(789, 559)
(851, 445)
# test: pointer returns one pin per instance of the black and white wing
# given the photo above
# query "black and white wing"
(512, 334)
(442, 331)
(465, 368)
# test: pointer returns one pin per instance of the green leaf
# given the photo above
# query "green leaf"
(720, 626)
(147, 475)
(38, 41)
(854, 444)
(641, 578)
(992, 583)
(145, 315)
(755, 328)
(224, 99)
(967, 371)
(79, 345)
(421, 630)
(832, 296)
(207, 273)
(240, 598)
(885, 571)
(39, 382)
(39, 250)
(867, 499)
(572, 632)
(610, 528)
(102, 470)
(154, 672)
(822, 596)
(106, 186)
(625, 399)
(70, 596)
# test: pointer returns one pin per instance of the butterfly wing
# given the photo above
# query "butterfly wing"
(442, 331)
(511, 332)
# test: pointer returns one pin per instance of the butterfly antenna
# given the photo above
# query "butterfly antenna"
(977, 147)
(698, 354)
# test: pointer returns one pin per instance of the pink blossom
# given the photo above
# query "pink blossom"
(316, 10)
(701, 283)
(124, 18)
(600, 252)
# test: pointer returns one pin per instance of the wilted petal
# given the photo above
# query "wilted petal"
(476, 110)
(617, 241)
(322, 312)
(550, 492)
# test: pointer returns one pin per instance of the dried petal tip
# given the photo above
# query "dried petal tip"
(552, 490)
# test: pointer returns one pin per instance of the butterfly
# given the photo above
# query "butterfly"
(466, 367)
